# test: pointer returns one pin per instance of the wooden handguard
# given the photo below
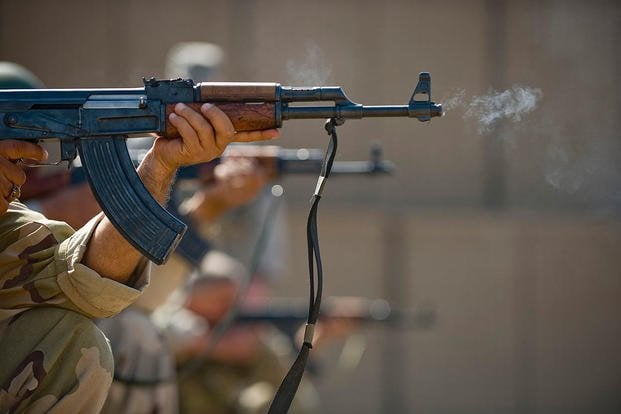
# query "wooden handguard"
(244, 116)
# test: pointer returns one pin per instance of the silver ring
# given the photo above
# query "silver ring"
(15, 193)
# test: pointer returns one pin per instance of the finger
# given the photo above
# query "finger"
(203, 129)
(8, 190)
(12, 172)
(222, 125)
(5, 186)
(4, 205)
(15, 150)
(188, 134)
(239, 165)
(251, 136)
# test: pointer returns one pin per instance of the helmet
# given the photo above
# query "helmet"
(198, 61)
(14, 76)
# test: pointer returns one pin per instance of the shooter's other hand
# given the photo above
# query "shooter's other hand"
(237, 181)
(11, 174)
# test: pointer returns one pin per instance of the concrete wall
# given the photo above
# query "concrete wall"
(526, 311)
(511, 236)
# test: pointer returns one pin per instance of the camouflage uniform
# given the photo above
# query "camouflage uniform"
(53, 357)
(145, 376)
(246, 387)
(145, 379)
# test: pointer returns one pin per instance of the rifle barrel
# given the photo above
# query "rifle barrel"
(346, 112)
(417, 110)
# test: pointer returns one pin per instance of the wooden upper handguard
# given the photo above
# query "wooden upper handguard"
(238, 91)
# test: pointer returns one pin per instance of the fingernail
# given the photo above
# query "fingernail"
(206, 106)
(173, 116)
(180, 106)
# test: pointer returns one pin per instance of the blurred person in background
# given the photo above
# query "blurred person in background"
(233, 371)
(145, 374)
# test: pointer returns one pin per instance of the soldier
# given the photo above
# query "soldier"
(54, 280)
(239, 371)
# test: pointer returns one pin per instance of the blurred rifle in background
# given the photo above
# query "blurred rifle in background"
(294, 311)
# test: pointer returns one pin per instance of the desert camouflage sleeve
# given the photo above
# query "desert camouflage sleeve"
(40, 266)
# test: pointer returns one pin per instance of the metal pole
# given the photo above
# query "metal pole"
(494, 163)
(392, 373)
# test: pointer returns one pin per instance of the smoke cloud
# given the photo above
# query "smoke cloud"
(577, 161)
(511, 104)
(574, 158)
(455, 99)
(312, 70)
(564, 170)
(490, 109)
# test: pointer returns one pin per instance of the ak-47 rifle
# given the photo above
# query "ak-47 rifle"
(94, 123)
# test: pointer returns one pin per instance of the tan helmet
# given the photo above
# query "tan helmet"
(14, 76)
(198, 61)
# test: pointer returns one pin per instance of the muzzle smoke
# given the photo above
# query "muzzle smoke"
(455, 100)
(575, 164)
(511, 104)
(571, 164)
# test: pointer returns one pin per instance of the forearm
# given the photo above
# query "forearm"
(203, 136)
(108, 253)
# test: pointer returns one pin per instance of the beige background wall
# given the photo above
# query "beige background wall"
(511, 237)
